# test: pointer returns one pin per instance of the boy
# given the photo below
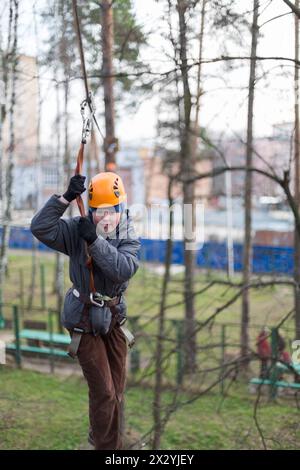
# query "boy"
(94, 318)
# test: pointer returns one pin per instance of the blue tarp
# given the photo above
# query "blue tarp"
(212, 255)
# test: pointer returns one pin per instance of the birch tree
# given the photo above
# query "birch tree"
(8, 200)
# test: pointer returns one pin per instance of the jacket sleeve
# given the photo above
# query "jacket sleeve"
(48, 227)
(118, 264)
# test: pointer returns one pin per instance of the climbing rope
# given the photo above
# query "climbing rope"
(88, 98)
(86, 129)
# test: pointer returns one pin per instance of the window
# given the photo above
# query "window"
(50, 176)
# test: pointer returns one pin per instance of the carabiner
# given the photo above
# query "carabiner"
(87, 121)
(95, 302)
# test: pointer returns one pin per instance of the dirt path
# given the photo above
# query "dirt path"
(43, 366)
(7, 336)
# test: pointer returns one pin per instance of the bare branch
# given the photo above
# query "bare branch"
(293, 7)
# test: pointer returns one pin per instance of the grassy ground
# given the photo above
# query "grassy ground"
(46, 412)
(41, 412)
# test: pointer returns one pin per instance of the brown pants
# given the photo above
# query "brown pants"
(103, 362)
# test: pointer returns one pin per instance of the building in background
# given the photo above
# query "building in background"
(156, 179)
(26, 133)
(270, 154)
(130, 164)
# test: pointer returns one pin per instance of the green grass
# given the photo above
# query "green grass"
(20, 261)
(46, 412)
(41, 412)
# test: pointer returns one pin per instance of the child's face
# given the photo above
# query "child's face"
(106, 219)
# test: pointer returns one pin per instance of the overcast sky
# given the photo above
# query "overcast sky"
(224, 108)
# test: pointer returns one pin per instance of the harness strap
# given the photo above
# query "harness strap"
(75, 342)
(89, 261)
(77, 335)
(130, 340)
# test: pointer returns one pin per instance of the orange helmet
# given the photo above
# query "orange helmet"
(106, 189)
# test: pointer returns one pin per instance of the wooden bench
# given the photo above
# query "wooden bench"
(292, 369)
(45, 337)
(277, 383)
(274, 382)
(56, 343)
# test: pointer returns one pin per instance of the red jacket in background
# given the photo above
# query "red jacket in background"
(264, 350)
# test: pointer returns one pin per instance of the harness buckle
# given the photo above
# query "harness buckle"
(124, 319)
(75, 342)
(78, 330)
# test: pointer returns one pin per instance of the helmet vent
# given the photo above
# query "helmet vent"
(91, 191)
(116, 183)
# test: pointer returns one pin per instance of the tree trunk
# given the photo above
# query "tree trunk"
(2, 115)
(187, 168)
(60, 180)
(297, 181)
(7, 213)
(2, 169)
(247, 252)
(6, 60)
(59, 271)
(199, 77)
(67, 154)
(294, 7)
(158, 425)
(110, 141)
(39, 181)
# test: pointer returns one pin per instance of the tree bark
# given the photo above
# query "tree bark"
(188, 169)
(39, 180)
(8, 208)
(59, 269)
(158, 425)
(110, 141)
(59, 256)
(297, 182)
(294, 7)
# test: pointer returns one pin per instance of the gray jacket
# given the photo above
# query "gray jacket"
(115, 260)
